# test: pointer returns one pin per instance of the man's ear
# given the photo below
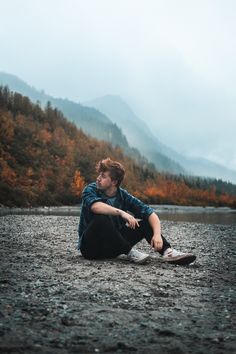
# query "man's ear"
(114, 182)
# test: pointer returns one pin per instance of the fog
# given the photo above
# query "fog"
(172, 61)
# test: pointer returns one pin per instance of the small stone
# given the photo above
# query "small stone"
(146, 295)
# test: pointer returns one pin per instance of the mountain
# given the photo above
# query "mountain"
(110, 119)
(46, 160)
(139, 135)
(89, 119)
(137, 132)
(94, 123)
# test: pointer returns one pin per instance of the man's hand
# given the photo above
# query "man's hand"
(157, 242)
(130, 220)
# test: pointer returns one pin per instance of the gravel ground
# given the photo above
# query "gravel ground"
(53, 301)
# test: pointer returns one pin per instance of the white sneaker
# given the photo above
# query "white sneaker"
(137, 256)
(176, 257)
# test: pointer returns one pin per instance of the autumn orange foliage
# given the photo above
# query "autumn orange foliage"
(45, 160)
(164, 190)
(77, 184)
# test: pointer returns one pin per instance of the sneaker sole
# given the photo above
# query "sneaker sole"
(142, 261)
(181, 260)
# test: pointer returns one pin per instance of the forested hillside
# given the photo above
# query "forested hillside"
(94, 123)
(46, 160)
(89, 119)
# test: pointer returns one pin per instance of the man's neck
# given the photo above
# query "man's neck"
(111, 192)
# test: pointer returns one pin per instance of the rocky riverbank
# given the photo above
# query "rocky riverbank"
(53, 301)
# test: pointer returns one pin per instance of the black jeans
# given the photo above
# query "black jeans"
(102, 240)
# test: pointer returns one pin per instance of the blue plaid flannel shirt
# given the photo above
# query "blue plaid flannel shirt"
(123, 201)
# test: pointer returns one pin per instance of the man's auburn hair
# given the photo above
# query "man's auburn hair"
(115, 168)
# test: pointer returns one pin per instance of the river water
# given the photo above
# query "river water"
(205, 215)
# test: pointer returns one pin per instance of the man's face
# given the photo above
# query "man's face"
(104, 181)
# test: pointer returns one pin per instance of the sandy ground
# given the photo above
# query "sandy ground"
(53, 301)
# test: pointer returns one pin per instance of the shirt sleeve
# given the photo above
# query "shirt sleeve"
(90, 196)
(136, 206)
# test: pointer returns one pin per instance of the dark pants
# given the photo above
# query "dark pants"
(102, 240)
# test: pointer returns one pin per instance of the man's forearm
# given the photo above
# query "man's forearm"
(105, 209)
(155, 224)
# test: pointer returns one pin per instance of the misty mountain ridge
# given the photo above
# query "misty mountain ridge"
(47, 160)
(140, 136)
(110, 118)
(119, 112)
(91, 121)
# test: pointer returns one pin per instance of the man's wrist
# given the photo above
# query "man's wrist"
(157, 235)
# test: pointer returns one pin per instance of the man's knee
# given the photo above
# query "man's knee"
(144, 224)
(102, 219)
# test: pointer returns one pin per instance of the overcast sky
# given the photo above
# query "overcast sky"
(173, 61)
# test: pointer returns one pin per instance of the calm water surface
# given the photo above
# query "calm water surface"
(207, 215)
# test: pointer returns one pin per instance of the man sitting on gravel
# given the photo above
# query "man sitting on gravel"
(113, 221)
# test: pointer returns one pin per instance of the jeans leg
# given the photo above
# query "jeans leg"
(102, 240)
(133, 236)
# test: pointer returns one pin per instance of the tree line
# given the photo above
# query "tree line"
(47, 160)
